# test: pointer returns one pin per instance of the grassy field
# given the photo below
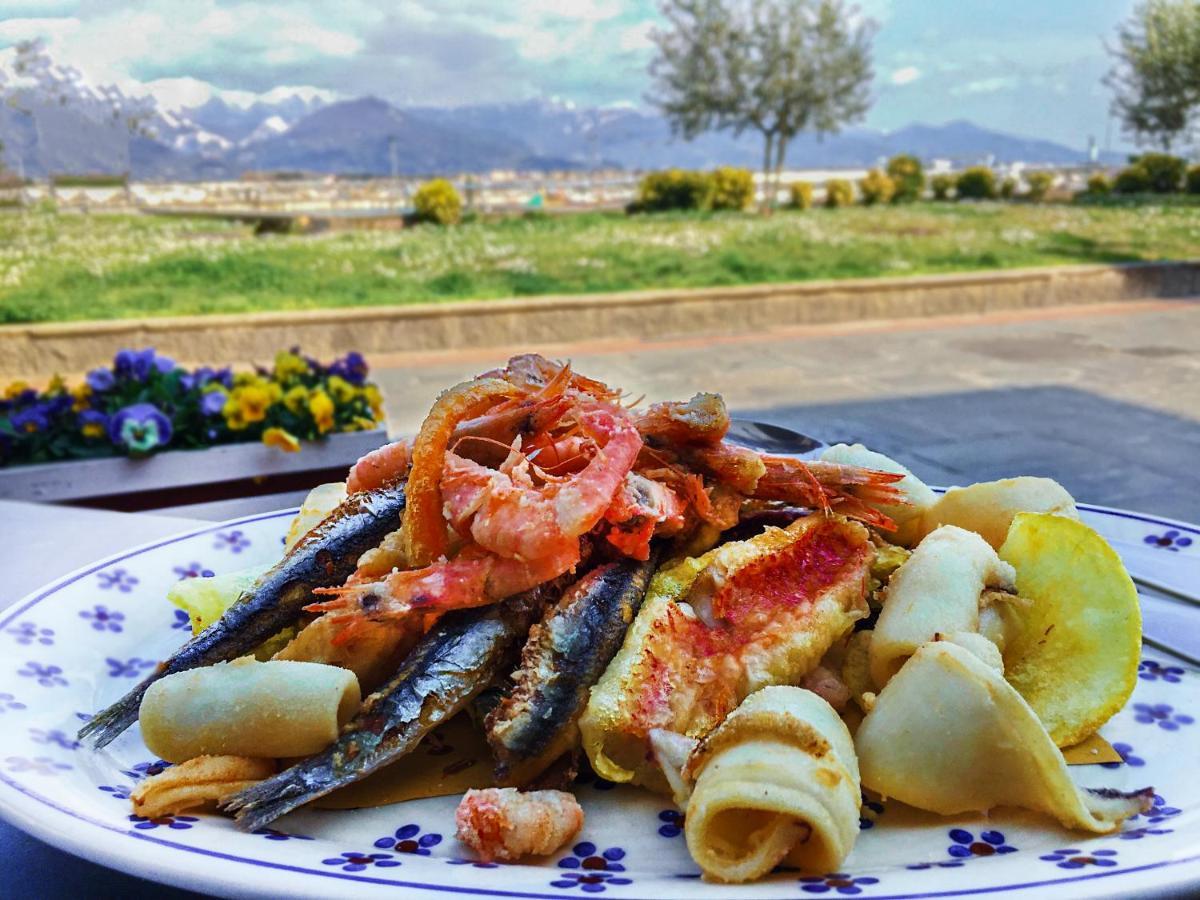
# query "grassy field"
(62, 267)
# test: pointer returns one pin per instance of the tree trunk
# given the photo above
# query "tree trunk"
(780, 155)
(768, 143)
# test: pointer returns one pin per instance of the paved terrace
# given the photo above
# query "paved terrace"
(1104, 399)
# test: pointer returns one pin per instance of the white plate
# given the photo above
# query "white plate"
(79, 644)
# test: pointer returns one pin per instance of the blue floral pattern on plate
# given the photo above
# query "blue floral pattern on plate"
(1161, 714)
(591, 870)
(1171, 539)
(27, 633)
(836, 882)
(46, 688)
(408, 839)
(1077, 859)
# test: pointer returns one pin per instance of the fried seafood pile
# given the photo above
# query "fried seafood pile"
(621, 584)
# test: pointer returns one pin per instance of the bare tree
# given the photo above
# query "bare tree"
(777, 67)
(1156, 76)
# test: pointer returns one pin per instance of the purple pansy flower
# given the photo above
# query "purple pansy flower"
(138, 364)
(212, 403)
(35, 418)
(96, 418)
(352, 367)
(101, 380)
(140, 428)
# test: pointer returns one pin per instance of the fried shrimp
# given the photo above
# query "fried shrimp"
(506, 824)
(424, 528)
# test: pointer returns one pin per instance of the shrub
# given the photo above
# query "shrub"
(838, 192)
(1132, 180)
(876, 188)
(802, 195)
(941, 186)
(437, 201)
(976, 183)
(675, 189)
(908, 177)
(1164, 171)
(1193, 180)
(1039, 185)
(1098, 185)
(732, 188)
(1008, 187)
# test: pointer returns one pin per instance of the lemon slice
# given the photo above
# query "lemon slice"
(1075, 655)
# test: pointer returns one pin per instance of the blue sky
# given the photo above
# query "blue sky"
(1025, 66)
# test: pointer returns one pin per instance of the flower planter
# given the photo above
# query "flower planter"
(187, 476)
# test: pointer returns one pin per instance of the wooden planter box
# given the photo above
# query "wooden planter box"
(179, 477)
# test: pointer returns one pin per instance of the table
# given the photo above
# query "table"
(49, 541)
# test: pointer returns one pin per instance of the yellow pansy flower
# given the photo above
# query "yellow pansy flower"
(82, 395)
(249, 403)
(296, 398)
(364, 424)
(374, 398)
(14, 389)
(342, 390)
(93, 430)
(289, 365)
(321, 407)
(284, 440)
(57, 384)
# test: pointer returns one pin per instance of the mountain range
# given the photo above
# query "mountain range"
(55, 123)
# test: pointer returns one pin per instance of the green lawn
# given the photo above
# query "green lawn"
(60, 267)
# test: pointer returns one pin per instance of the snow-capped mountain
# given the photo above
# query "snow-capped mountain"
(53, 121)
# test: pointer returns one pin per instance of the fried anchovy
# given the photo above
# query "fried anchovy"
(457, 659)
(565, 655)
(325, 557)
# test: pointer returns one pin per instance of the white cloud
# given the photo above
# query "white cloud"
(47, 28)
(636, 37)
(906, 75)
(986, 85)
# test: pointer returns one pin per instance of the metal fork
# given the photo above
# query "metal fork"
(770, 438)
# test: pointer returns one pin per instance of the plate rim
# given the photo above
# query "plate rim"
(19, 803)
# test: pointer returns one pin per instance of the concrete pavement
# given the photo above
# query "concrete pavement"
(1105, 399)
